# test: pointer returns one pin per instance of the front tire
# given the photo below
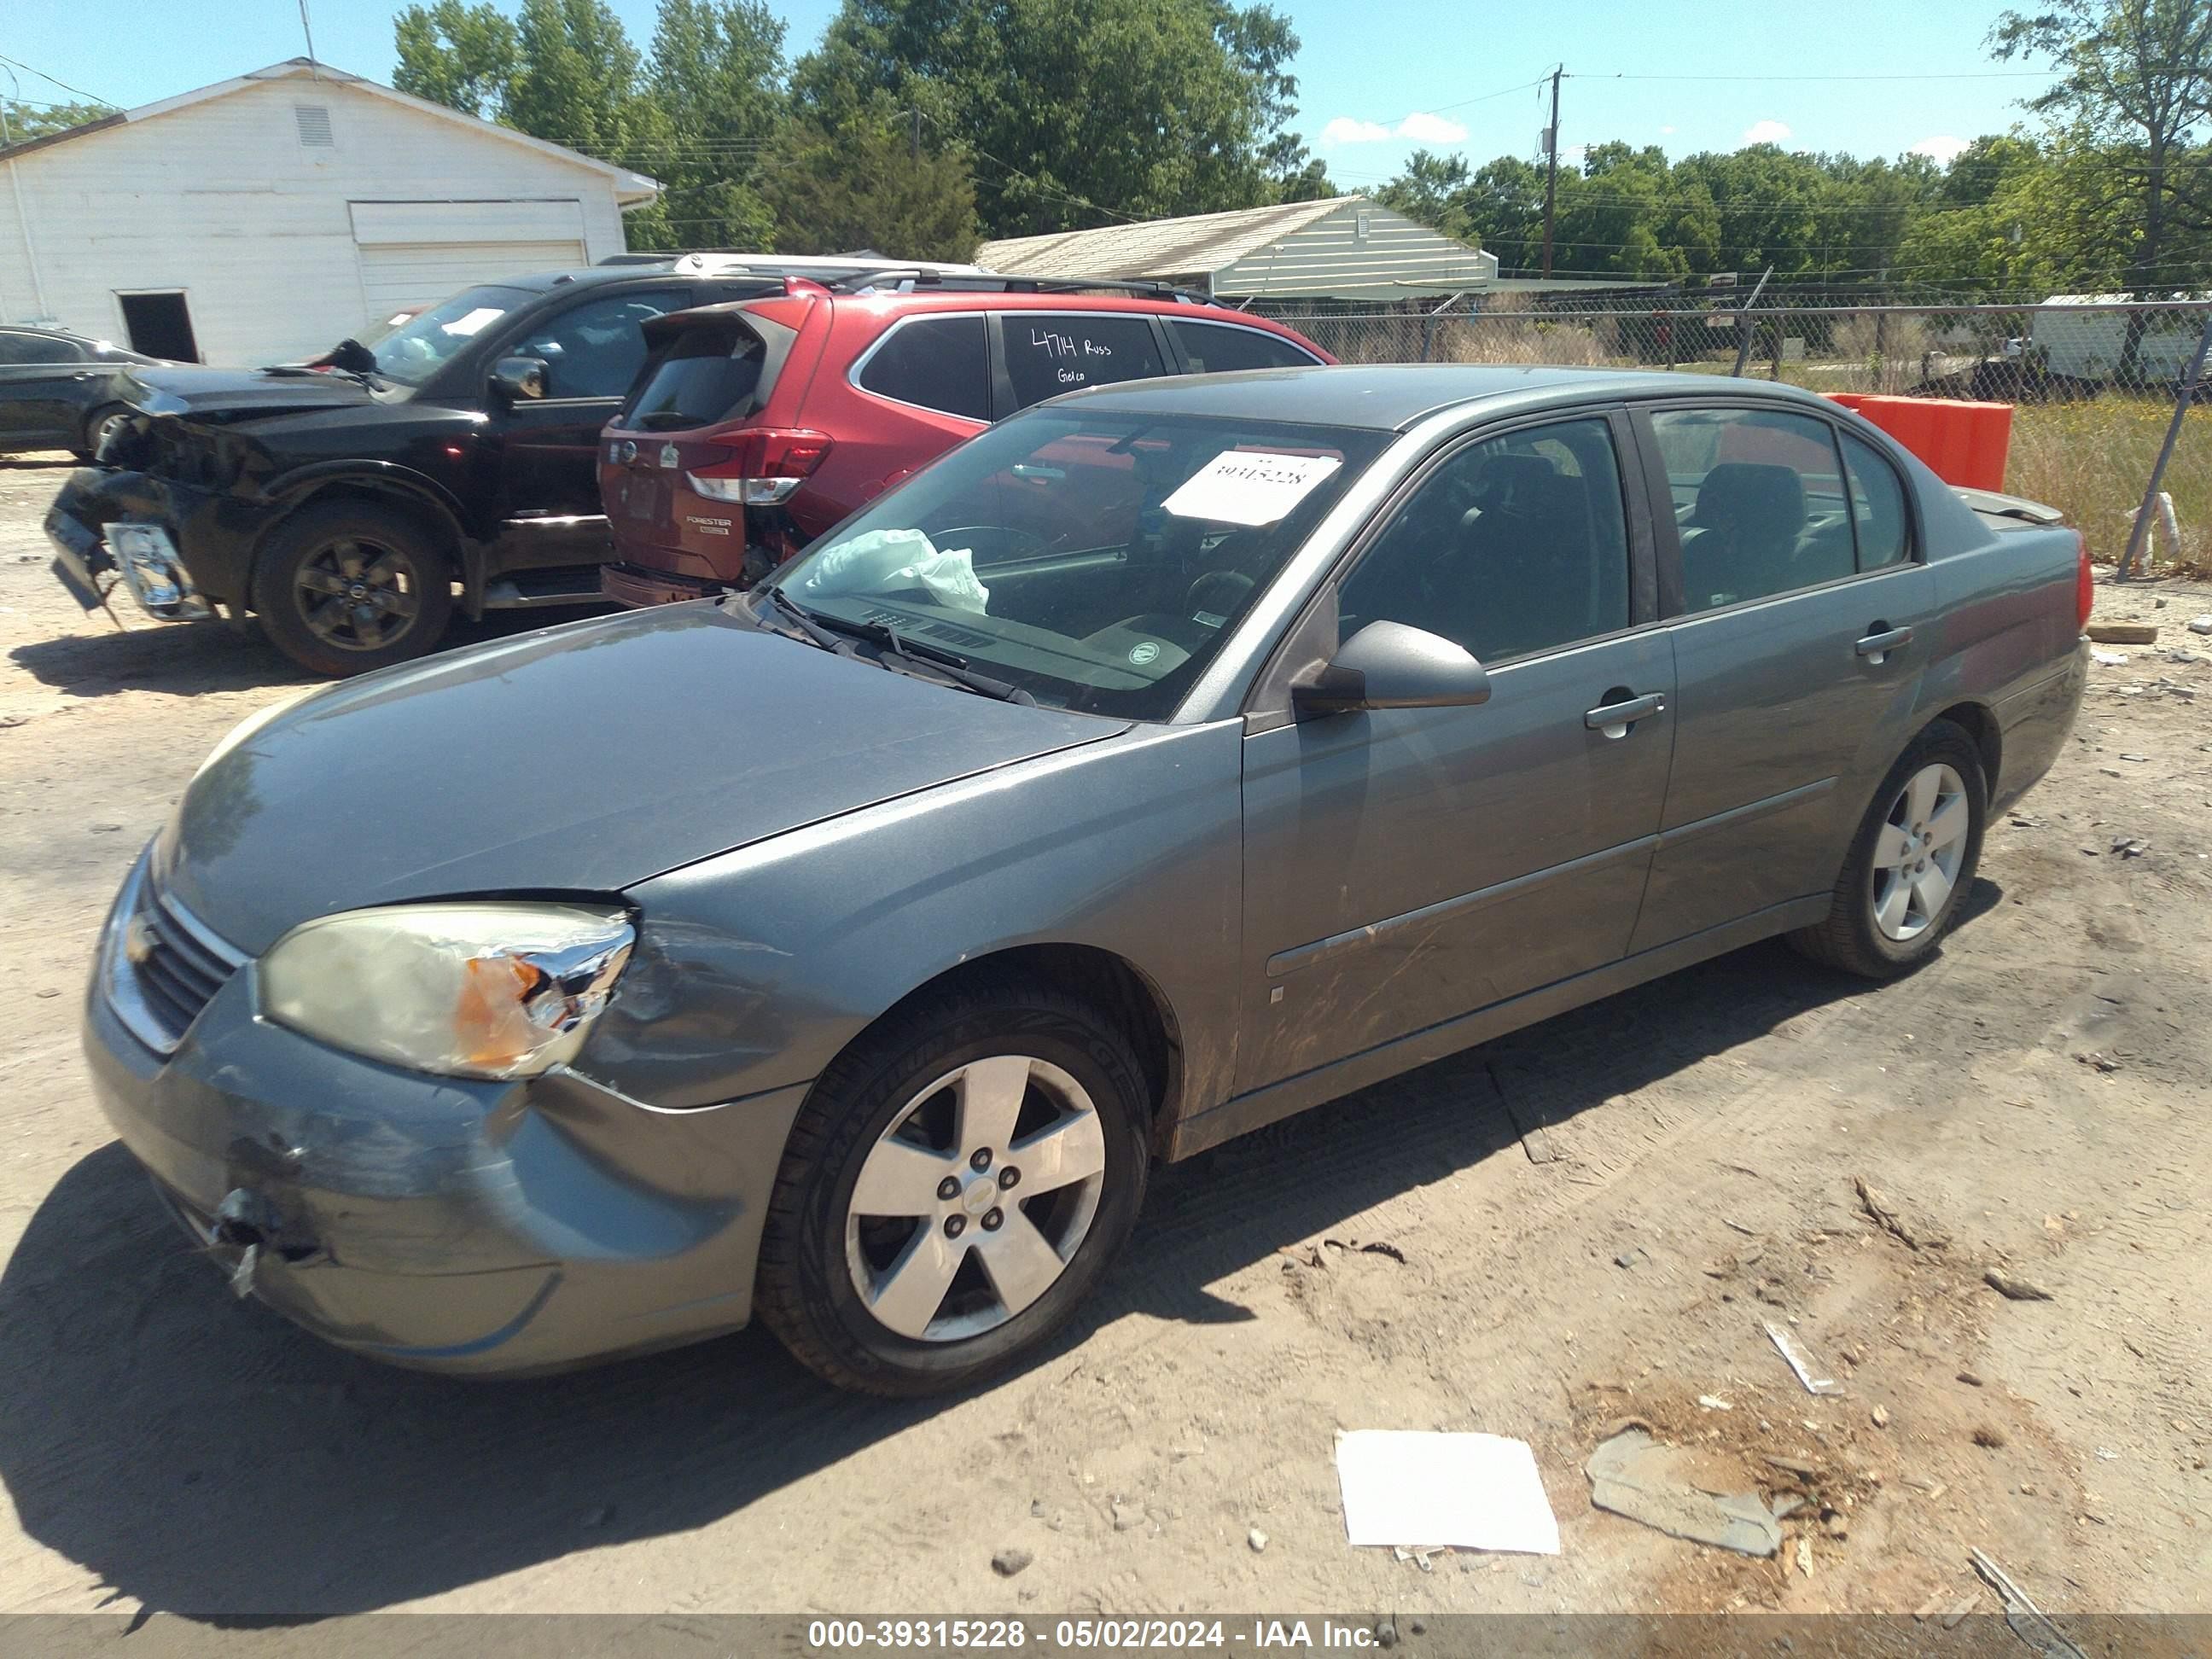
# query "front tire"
(1910, 863)
(346, 588)
(107, 418)
(954, 1186)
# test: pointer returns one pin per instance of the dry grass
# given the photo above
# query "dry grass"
(2091, 461)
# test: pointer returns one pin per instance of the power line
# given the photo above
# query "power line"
(109, 103)
(1959, 74)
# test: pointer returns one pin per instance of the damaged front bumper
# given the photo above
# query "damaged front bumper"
(105, 519)
(443, 1224)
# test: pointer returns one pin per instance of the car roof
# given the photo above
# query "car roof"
(1392, 396)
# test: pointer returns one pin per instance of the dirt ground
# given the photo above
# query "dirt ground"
(2038, 1099)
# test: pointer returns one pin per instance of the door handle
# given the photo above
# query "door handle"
(1877, 646)
(1613, 719)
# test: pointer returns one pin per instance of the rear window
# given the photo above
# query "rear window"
(938, 362)
(1049, 354)
(1219, 347)
(709, 374)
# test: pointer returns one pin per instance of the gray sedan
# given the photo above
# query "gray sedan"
(1167, 759)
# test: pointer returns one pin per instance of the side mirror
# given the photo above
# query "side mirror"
(1388, 665)
(519, 379)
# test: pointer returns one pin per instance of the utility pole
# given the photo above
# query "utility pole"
(1552, 168)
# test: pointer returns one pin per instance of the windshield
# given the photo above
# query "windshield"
(1095, 562)
(414, 347)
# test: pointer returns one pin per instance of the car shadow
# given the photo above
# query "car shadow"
(190, 659)
(204, 1457)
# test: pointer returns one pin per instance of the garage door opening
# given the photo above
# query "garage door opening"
(160, 326)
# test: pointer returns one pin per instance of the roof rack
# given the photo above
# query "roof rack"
(908, 279)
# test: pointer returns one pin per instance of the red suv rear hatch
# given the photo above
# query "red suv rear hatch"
(694, 451)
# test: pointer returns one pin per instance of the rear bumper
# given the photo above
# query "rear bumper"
(441, 1223)
(635, 585)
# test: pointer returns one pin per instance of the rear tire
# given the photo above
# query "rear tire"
(96, 427)
(1910, 863)
(1000, 1252)
(348, 586)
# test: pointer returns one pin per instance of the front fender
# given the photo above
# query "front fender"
(754, 968)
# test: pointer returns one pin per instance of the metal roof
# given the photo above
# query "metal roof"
(1198, 243)
(1391, 396)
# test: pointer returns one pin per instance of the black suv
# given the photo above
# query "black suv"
(346, 501)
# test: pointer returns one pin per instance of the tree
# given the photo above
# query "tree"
(464, 56)
(716, 84)
(2134, 87)
(29, 121)
(1076, 111)
(865, 186)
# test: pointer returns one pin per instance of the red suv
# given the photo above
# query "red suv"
(754, 427)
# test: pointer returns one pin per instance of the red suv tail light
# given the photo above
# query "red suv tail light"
(761, 466)
(2085, 592)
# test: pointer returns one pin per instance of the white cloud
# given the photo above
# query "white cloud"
(1765, 133)
(1430, 129)
(1666, 132)
(1420, 126)
(1346, 131)
(1943, 151)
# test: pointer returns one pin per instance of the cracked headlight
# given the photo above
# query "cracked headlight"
(489, 989)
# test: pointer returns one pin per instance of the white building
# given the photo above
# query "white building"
(1345, 247)
(265, 218)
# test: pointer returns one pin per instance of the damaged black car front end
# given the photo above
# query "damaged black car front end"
(172, 509)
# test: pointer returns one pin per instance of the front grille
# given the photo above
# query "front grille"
(165, 966)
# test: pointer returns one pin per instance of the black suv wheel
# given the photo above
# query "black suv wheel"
(348, 587)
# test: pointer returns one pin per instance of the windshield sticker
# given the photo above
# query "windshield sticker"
(1249, 488)
(472, 322)
(1144, 652)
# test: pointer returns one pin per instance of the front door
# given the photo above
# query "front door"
(548, 471)
(1802, 630)
(42, 379)
(1406, 866)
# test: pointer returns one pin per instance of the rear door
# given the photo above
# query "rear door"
(1800, 615)
(41, 384)
(1407, 866)
(592, 350)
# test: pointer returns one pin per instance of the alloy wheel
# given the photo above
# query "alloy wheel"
(1918, 851)
(109, 426)
(358, 595)
(976, 1198)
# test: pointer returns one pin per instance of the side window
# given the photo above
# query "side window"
(35, 348)
(1758, 503)
(1049, 353)
(939, 362)
(594, 349)
(1219, 347)
(1877, 506)
(1510, 546)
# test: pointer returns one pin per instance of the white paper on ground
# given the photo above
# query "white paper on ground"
(1249, 487)
(1426, 1491)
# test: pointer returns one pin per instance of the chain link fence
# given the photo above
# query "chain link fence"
(2095, 385)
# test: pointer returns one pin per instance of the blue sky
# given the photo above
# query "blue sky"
(1377, 77)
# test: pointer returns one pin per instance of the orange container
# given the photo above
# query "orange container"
(1962, 443)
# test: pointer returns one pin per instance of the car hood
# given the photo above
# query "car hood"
(581, 759)
(191, 389)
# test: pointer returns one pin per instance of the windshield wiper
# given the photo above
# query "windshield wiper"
(809, 630)
(930, 660)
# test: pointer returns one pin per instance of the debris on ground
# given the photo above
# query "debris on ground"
(1881, 1415)
(2098, 1062)
(2130, 847)
(1805, 1556)
(2109, 659)
(1008, 1562)
(1257, 1540)
(1802, 1362)
(1713, 1402)
(1885, 1216)
(1414, 1488)
(2013, 1287)
(2122, 633)
(1380, 1249)
(2026, 1619)
(1972, 1379)
(2201, 625)
(1990, 1439)
(1633, 1475)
